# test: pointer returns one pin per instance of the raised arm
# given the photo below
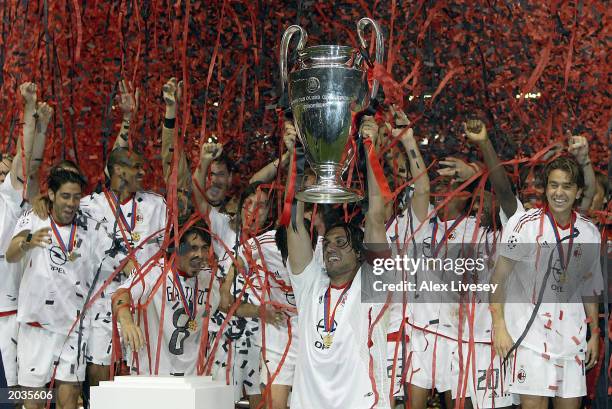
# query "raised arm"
(208, 153)
(24, 144)
(476, 131)
(127, 101)
(298, 238)
(172, 95)
(44, 113)
(268, 172)
(420, 198)
(579, 147)
(375, 217)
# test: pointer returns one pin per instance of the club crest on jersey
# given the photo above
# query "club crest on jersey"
(521, 376)
(452, 236)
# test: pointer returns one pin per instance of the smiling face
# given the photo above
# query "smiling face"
(340, 257)
(65, 202)
(218, 183)
(131, 172)
(561, 193)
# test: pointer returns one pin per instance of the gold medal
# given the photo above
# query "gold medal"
(562, 277)
(72, 256)
(328, 340)
(135, 236)
(193, 325)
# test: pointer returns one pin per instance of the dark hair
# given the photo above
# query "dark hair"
(223, 159)
(60, 177)
(197, 230)
(120, 156)
(354, 235)
(569, 165)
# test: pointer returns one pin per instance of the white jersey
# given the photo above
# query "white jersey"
(145, 216)
(265, 260)
(10, 209)
(338, 376)
(180, 344)
(223, 236)
(54, 287)
(486, 249)
(559, 328)
(445, 240)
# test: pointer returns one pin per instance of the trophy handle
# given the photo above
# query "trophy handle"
(289, 32)
(380, 45)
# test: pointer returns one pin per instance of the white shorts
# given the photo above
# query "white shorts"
(100, 345)
(396, 363)
(41, 352)
(423, 348)
(276, 343)
(533, 374)
(237, 363)
(487, 385)
(8, 347)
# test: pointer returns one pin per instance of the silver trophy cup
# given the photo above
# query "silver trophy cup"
(327, 86)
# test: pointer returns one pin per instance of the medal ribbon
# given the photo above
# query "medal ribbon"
(436, 246)
(191, 311)
(116, 208)
(564, 263)
(329, 320)
(71, 241)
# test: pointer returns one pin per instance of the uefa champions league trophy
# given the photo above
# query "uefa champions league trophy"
(327, 85)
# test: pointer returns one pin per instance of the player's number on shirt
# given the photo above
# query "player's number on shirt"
(180, 334)
(488, 379)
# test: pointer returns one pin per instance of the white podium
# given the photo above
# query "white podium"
(162, 392)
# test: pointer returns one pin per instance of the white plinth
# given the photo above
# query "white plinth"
(162, 392)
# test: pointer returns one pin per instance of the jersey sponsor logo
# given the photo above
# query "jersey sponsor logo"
(321, 331)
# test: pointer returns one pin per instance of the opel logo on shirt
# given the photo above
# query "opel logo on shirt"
(57, 256)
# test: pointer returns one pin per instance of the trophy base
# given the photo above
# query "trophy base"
(328, 194)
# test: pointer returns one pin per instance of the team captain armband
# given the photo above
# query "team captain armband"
(380, 252)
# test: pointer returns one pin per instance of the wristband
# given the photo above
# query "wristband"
(28, 238)
(169, 123)
(126, 305)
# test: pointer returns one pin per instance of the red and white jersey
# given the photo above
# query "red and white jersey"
(446, 240)
(223, 236)
(10, 209)
(338, 375)
(142, 222)
(160, 291)
(530, 239)
(272, 284)
(55, 284)
(486, 249)
(402, 236)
